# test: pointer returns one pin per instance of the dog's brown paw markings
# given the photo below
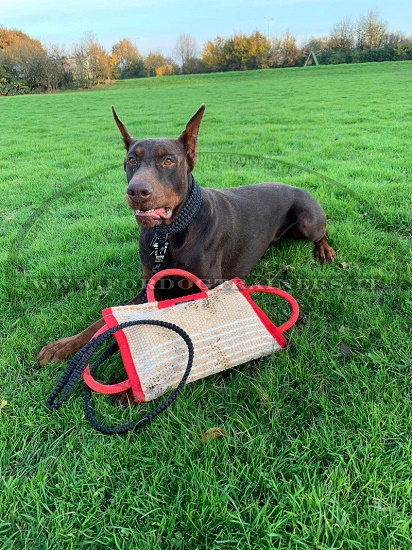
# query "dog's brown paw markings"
(56, 351)
(324, 252)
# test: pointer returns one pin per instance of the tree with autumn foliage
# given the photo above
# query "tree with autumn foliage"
(371, 32)
(248, 51)
(25, 65)
(126, 60)
(342, 35)
(213, 56)
(284, 52)
(18, 46)
(254, 51)
(238, 52)
(158, 65)
(92, 62)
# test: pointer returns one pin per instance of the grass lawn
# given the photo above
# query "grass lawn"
(318, 450)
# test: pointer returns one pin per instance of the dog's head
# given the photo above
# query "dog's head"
(157, 172)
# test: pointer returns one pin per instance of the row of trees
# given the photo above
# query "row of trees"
(26, 65)
(367, 39)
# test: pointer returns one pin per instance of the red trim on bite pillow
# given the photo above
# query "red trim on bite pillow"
(127, 358)
(267, 323)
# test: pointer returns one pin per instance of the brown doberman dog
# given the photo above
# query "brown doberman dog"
(215, 234)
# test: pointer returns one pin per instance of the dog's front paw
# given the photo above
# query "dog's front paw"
(57, 351)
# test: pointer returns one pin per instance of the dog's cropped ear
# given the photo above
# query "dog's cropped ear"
(189, 136)
(127, 138)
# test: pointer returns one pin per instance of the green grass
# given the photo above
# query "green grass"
(318, 451)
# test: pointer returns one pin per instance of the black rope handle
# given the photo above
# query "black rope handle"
(82, 358)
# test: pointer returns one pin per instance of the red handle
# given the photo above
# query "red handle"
(278, 292)
(176, 273)
(97, 386)
(104, 388)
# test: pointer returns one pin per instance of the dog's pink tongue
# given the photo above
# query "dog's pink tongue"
(164, 213)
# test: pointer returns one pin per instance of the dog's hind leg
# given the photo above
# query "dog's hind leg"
(323, 251)
(311, 225)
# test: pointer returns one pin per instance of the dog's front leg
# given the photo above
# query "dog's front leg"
(60, 349)
(146, 274)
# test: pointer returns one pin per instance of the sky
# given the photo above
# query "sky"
(155, 24)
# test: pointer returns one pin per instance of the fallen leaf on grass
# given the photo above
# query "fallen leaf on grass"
(344, 349)
(3, 403)
(212, 433)
(302, 321)
(345, 265)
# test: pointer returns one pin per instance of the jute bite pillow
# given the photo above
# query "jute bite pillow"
(225, 326)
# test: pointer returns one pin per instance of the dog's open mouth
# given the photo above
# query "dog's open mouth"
(154, 214)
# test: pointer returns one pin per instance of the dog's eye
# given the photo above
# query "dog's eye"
(168, 161)
(131, 160)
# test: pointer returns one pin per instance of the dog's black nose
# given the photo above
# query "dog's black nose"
(139, 190)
